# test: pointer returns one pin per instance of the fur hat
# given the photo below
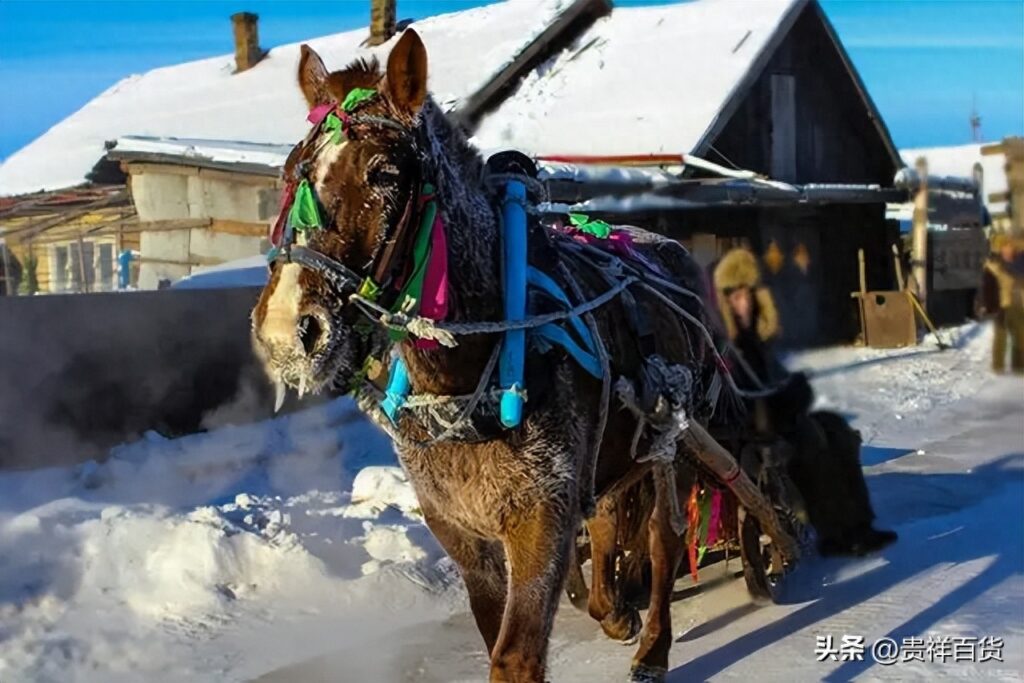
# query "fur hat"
(998, 241)
(738, 268)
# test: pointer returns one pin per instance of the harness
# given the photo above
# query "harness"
(411, 266)
(404, 288)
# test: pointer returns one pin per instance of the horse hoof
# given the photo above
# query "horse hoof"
(641, 673)
(624, 628)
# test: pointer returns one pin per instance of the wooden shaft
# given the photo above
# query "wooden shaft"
(924, 316)
(919, 251)
(863, 276)
(725, 467)
(899, 268)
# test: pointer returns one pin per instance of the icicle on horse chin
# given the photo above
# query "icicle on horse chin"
(388, 228)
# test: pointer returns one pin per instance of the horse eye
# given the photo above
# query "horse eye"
(384, 172)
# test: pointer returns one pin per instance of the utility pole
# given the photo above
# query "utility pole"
(919, 249)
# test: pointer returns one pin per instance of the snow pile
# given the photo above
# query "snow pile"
(288, 550)
(134, 568)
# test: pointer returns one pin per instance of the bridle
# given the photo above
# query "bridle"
(389, 258)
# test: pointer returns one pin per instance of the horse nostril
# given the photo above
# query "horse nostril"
(310, 332)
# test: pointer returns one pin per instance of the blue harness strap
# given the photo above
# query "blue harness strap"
(558, 335)
(513, 350)
(397, 390)
(541, 280)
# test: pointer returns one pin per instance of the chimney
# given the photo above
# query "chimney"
(382, 21)
(247, 41)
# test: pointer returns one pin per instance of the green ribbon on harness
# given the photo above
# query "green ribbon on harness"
(411, 294)
(305, 213)
(596, 227)
(332, 124)
(357, 96)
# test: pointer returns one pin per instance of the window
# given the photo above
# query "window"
(58, 269)
(105, 267)
(81, 266)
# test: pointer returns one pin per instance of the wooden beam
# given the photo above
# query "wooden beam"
(194, 261)
(241, 228)
(170, 225)
(33, 229)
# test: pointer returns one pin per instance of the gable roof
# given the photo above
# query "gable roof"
(204, 99)
(652, 80)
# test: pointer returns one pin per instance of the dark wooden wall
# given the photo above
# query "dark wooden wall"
(836, 141)
(815, 306)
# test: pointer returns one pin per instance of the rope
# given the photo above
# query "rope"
(588, 503)
(429, 400)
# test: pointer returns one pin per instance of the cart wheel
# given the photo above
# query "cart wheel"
(764, 570)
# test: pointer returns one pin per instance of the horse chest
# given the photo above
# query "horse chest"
(477, 488)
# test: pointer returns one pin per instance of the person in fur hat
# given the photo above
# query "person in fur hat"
(1002, 299)
(748, 313)
(824, 452)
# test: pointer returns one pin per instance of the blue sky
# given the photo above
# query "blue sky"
(925, 62)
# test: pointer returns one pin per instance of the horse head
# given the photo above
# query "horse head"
(359, 171)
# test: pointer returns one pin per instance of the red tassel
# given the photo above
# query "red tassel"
(693, 530)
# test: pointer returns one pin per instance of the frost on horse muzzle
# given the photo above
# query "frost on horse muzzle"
(305, 328)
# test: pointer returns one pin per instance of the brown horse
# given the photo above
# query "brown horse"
(505, 505)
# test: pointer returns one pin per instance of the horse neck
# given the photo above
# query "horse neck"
(471, 231)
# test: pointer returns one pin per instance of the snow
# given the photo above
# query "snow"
(205, 99)
(221, 151)
(290, 550)
(250, 271)
(608, 93)
(959, 161)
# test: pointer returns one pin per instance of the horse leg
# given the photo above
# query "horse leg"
(651, 661)
(482, 565)
(539, 549)
(605, 605)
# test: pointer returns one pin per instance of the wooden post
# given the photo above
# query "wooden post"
(83, 282)
(919, 252)
(10, 286)
(863, 276)
(899, 267)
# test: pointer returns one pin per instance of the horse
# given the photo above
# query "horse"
(504, 502)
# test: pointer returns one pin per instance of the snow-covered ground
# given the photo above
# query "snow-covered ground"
(293, 550)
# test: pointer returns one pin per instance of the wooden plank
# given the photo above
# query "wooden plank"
(241, 228)
(169, 225)
(194, 261)
(783, 132)
(37, 227)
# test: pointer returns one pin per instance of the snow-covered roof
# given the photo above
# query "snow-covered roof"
(959, 161)
(643, 80)
(227, 153)
(204, 99)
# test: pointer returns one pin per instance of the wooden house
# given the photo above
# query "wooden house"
(68, 241)
(186, 140)
(766, 87)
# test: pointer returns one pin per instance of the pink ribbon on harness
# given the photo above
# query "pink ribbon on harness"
(435, 281)
(318, 113)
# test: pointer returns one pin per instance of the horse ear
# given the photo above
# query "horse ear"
(313, 77)
(407, 73)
